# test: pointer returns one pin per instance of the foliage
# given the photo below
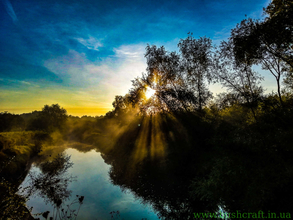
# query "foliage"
(10, 122)
(18, 149)
(21, 146)
(178, 81)
(61, 213)
(240, 80)
(267, 42)
(12, 205)
(49, 119)
(198, 65)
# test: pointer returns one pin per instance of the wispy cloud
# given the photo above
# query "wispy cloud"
(91, 43)
(129, 51)
(17, 83)
(10, 10)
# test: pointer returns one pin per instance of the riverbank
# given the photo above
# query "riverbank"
(18, 150)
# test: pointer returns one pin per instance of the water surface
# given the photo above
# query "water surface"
(100, 196)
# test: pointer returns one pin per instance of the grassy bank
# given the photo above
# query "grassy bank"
(17, 152)
(17, 149)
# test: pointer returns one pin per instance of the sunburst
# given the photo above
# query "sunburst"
(149, 92)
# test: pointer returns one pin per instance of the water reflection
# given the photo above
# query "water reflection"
(51, 183)
(160, 168)
(101, 196)
(159, 184)
(152, 187)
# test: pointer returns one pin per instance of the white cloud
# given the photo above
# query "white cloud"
(91, 43)
(129, 51)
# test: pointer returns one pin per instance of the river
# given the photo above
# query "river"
(91, 180)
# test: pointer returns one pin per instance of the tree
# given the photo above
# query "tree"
(268, 42)
(288, 81)
(280, 27)
(178, 81)
(237, 77)
(164, 74)
(49, 119)
(197, 62)
(10, 122)
(165, 77)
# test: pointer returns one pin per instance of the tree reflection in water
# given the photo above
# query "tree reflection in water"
(161, 186)
(162, 180)
(51, 184)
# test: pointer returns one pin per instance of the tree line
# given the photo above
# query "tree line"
(180, 80)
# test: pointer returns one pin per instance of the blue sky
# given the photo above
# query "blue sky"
(81, 54)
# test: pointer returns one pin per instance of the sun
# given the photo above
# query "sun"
(149, 92)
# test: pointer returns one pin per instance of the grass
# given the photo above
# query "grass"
(16, 150)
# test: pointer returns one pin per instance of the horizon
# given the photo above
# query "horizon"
(91, 112)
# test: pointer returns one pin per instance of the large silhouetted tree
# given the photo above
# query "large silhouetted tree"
(179, 81)
(267, 42)
(165, 77)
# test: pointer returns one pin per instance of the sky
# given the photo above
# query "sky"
(81, 54)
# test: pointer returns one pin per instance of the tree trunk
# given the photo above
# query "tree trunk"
(279, 91)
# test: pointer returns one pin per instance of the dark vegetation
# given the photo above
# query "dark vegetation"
(180, 149)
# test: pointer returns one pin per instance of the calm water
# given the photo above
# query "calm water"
(100, 196)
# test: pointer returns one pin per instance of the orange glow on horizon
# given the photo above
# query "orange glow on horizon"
(89, 111)
(74, 111)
